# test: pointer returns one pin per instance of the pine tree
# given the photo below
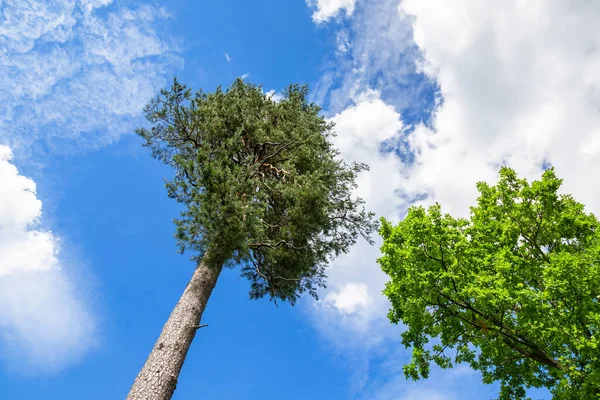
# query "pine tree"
(263, 190)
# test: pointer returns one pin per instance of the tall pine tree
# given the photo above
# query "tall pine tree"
(263, 189)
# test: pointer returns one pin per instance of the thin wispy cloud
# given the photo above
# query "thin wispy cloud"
(72, 77)
(227, 57)
(327, 9)
(376, 51)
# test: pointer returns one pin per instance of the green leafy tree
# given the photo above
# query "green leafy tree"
(263, 189)
(513, 291)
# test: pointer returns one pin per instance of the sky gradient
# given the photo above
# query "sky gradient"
(433, 97)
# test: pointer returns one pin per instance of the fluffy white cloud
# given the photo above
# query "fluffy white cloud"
(520, 86)
(326, 9)
(353, 301)
(44, 324)
(68, 72)
(350, 298)
(73, 74)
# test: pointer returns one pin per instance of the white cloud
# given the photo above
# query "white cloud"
(361, 130)
(353, 301)
(520, 85)
(342, 41)
(73, 74)
(44, 324)
(90, 5)
(350, 298)
(273, 95)
(68, 72)
(227, 57)
(375, 51)
(326, 9)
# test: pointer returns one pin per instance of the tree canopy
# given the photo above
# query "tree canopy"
(513, 291)
(261, 183)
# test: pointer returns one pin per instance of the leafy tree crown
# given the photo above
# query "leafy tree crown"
(513, 291)
(261, 184)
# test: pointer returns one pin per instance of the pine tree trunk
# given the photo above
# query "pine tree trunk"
(158, 378)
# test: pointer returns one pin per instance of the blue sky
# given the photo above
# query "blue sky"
(432, 97)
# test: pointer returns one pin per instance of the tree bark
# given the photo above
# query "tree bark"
(158, 378)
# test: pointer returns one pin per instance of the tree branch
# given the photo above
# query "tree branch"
(271, 245)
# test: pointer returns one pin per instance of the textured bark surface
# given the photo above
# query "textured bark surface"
(158, 378)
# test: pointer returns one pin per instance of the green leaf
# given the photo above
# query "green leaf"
(513, 290)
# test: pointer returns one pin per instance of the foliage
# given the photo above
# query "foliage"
(261, 184)
(513, 290)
